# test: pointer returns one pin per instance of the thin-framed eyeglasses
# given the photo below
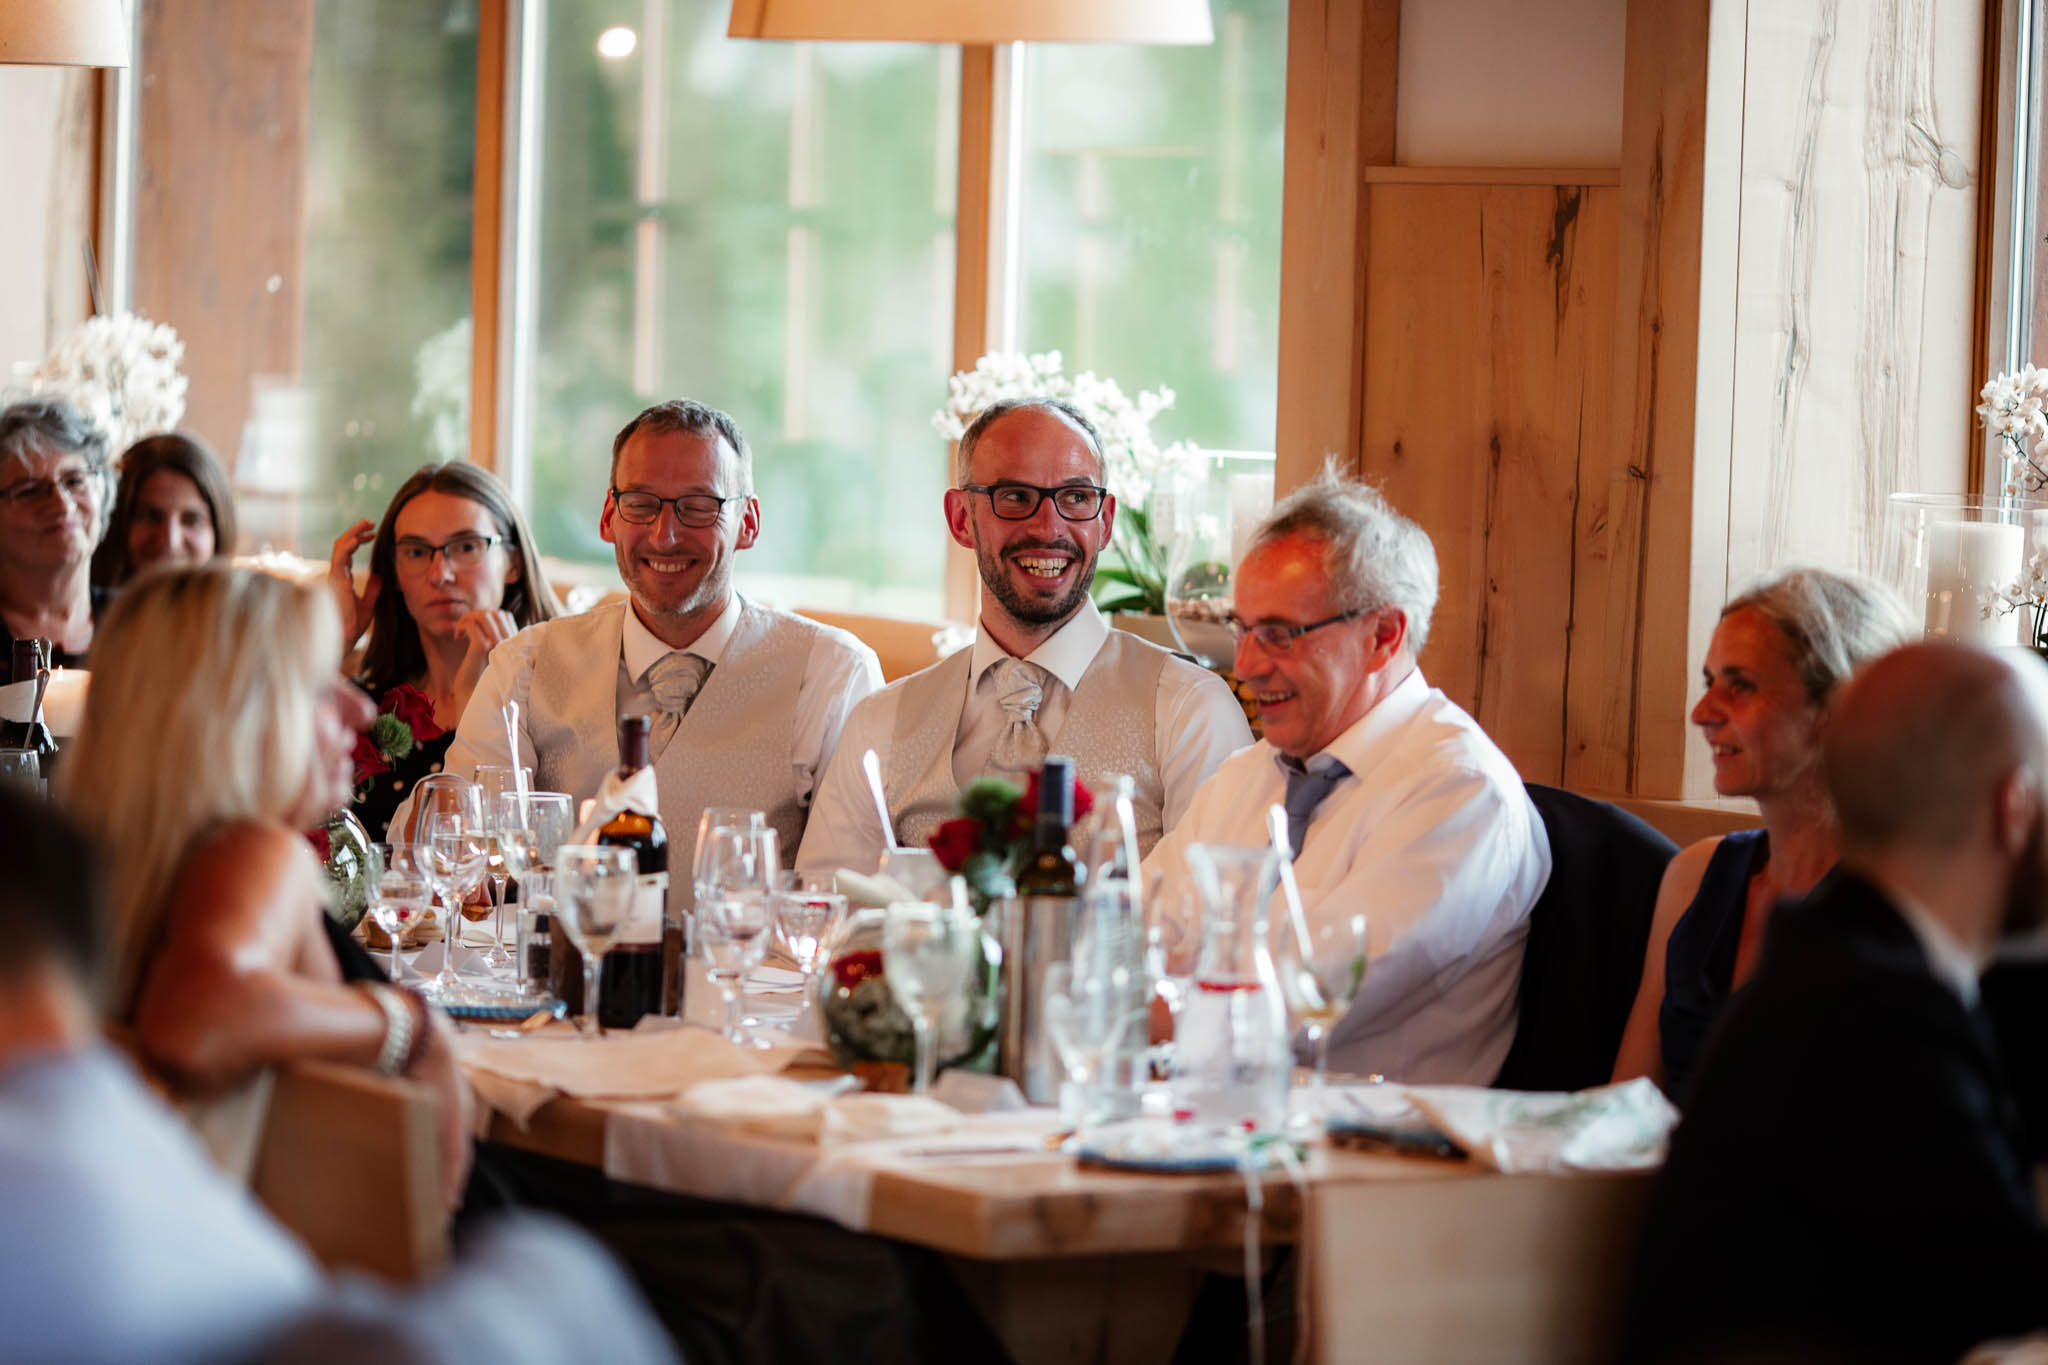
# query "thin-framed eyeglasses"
(698, 510)
(463, 552)
(1280, 637)
(75, 484)
(1018, 501)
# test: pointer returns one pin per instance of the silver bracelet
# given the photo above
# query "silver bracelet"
(398, 1027)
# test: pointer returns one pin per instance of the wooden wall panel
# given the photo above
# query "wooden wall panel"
(1489, 313)
(1854, 335)
(220, 189)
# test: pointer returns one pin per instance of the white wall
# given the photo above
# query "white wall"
(46, 166)
(1510, 83)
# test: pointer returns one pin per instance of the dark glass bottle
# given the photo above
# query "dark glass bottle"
(1037, 931)
(635, 967)
(29, 658)
(1051, 870)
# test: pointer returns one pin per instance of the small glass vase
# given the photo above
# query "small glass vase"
(861, 1019)
(344, 846)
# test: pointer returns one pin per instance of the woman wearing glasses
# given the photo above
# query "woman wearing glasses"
(453, 573)
(53, 508)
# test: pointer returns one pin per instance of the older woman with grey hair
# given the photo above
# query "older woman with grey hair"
(53, 509)
(1781, 650)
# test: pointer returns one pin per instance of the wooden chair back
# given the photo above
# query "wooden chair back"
(903, 645)
(1520, 1269)
(350, 1161)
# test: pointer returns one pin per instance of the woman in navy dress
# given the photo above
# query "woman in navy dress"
(1777, 656)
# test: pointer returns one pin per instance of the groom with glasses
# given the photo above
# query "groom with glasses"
(1398, 805)
(1046, 674)
(747, 701)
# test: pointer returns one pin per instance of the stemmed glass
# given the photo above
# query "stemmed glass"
(807, 911)
(716, 817)
(1086, 1014)
(454, 853)
(495, 780)
(530, 828)
(737, 867)
(1321, 969)
(398, 894)
(594, 886)
(927, 953)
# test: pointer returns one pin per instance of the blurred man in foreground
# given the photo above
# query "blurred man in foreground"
(123, 1242)
(1848, 1182)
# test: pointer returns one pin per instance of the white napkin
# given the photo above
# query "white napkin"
(637, 792)
(802, 1111)
(870, 891)
(1609, 1128)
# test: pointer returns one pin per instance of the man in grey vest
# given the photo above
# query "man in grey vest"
(1046, 674)
(747, 701)
(1398, 805)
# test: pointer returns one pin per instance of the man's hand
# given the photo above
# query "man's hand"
(341, 581)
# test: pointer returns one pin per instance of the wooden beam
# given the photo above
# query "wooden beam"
(486, 232)
(971, 272)
(1342, 60)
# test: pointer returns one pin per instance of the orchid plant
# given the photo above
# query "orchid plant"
(1133, 460)
(122, 371)
(2015, 410)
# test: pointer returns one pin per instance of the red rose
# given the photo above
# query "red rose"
(318, 839)
(369, 762)
(1027, 805)
(854, 968)
(410, 705)
(956, 841)
(1084, 800)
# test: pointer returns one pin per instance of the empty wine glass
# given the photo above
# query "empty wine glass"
(736, 868)
(495, 780)
(719, 817)
(1321, 968)
(398, 894)
(530, 826)
(594, 888)
(454, 853)
(928, 952)
(1086, 1014)
(917, 871)
(807, 910)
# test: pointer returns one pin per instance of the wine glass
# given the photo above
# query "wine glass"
(594, 890)
(398, 894)
(495, 780)
(916, 871)
(737, 868)
(454, 853)
(720, 817)
(1086, 1014)
(529, 828)
(1321, 968)
(928, 952)
(807, 912)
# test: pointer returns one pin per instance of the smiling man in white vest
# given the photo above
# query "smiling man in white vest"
(747, 701)
(1045, 674)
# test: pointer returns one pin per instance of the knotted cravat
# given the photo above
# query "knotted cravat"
(1019, 688)
(675, 680)
(1308, 788)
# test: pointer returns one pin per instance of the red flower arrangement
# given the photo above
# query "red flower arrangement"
(988, 841)
(405, 721)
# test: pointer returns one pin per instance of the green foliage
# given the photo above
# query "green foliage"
(989, 800)
(1132, 576)
(392, 736)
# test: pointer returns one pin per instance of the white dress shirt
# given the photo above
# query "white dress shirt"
(1435, 839)
(824, 699)
(1199, 725)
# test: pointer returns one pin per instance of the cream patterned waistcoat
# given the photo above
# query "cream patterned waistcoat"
(1110, 727)
(732, 749)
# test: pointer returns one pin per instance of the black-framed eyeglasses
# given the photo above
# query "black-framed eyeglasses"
(1017, 501)
(463, 552)
(1280, 638)
(76, 484)
(692, 509)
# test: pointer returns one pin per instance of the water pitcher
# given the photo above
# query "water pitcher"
(1232, 1060)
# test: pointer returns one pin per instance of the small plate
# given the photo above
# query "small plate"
(1165, 1147)
(497, 1009)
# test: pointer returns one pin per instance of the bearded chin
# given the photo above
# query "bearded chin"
(1029, 610)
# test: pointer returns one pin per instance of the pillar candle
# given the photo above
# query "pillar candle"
(1966, 560)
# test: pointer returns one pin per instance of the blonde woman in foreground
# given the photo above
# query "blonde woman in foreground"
(218, 727)
(1776, 659)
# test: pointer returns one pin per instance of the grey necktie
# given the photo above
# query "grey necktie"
(1308, 788)
(1019, 688)
(675, 680)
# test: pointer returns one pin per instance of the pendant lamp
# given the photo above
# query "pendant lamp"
(64, 33)
(975, 21)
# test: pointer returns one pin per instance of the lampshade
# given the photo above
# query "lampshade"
(975, 21)
(64, 33)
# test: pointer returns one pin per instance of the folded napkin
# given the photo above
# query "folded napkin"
(872, 891)
(517, 1077)
(637, 792)
(1609, 1128)
(805, 1111)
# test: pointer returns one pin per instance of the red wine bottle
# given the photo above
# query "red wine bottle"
(635, 977)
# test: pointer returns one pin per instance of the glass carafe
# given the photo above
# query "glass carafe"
(1231, 1059)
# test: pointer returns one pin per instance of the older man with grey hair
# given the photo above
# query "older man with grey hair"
(1398, 805)
(1045, 674)
(53, 510)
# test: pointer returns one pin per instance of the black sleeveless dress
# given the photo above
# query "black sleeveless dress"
(1699, 957)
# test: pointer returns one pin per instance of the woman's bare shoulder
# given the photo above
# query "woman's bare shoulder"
(248, 865)
(1683, 876)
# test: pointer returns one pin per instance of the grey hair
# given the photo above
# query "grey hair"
(691, 418)
(1834, 622)
(51, 426)
(963, 459)
(1374, 557)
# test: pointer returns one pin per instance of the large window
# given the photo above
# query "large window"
(388, 204)
(766, 227)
